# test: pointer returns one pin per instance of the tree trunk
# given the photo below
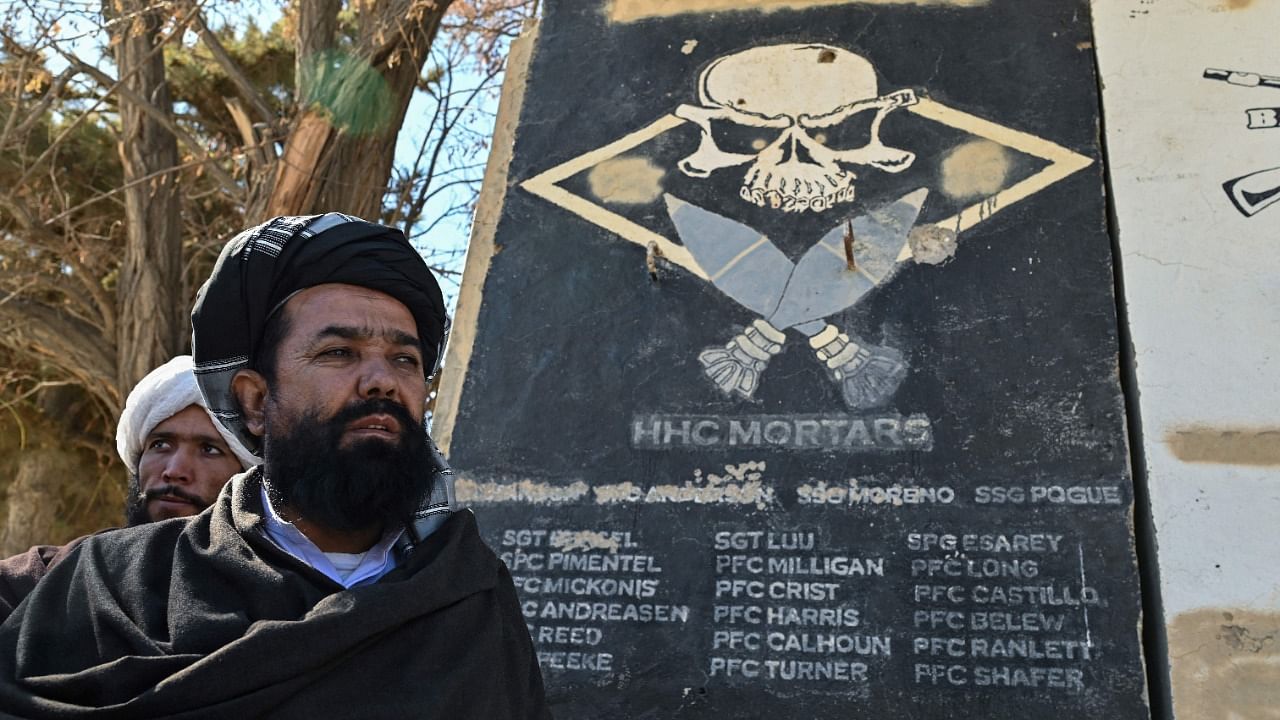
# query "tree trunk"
(317, 33)
(151, 321)
(33, 499)
(327, 168)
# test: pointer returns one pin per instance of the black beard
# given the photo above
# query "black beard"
(366, 484)
(135, 505)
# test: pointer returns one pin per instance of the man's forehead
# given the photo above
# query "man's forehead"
(328, 291)
(352, 309)
(190, 421)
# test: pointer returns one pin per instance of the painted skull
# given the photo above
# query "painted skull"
(799, 91)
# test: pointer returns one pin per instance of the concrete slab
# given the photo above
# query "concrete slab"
(792, 389)
(1191, 91)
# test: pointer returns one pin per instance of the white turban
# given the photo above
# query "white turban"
(163, 393)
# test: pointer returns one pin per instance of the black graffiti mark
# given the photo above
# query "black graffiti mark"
(1254, 192)
(1242, 78)
(1262, 118)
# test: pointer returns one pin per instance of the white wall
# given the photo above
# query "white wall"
(1203, 291)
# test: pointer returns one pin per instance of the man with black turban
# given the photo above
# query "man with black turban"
(337, 579)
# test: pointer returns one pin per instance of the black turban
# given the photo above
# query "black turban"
(262, 267)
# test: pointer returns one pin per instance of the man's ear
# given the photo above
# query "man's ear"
(250, 389)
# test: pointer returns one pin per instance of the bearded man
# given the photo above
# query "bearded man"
(338, 579)
(178, 455)
(178, 458)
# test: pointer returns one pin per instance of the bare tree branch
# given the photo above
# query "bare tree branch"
(37, 111)
(75, 257)
(117, 190)
(72, 346)
(163, 118)
(230, 67)
(66, 132)
(441, 142)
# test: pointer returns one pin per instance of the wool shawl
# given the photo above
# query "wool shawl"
(206, 618)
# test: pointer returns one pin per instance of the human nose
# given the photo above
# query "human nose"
(179, 468)
(377, 378)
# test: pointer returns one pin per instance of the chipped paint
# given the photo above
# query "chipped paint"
(618, 493)
(570, 540)
(626, 180)
(525, 491)
(932, 244)
(688, 47)
(632, 10)
(1226, 446)
(741, 484)
(1225, 664)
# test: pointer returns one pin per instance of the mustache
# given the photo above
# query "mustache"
(159, 491)
(375, 406)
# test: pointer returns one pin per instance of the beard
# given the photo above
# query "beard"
(136, 510)
(366, 483)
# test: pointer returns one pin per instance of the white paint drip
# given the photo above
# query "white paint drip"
(1088, 636)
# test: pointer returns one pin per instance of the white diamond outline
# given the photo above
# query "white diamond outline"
(1062, 163)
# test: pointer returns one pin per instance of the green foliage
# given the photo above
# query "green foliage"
(199, 82)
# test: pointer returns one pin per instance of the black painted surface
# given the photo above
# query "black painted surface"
(1011, 348)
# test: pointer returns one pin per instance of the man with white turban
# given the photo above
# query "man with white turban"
(178, 457)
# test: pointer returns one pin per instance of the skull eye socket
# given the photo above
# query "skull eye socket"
(853, 132)
(731, 137)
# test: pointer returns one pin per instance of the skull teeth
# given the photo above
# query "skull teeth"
(799, 201)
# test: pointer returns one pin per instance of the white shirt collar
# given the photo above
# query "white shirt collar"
(376, 561)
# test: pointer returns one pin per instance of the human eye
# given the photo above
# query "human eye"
(158, 444)
(408, 360)
(336, 352)
(213, 450)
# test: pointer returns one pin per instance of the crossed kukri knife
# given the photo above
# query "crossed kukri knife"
(745, 265)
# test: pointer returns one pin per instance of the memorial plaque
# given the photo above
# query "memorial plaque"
(786, 374)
